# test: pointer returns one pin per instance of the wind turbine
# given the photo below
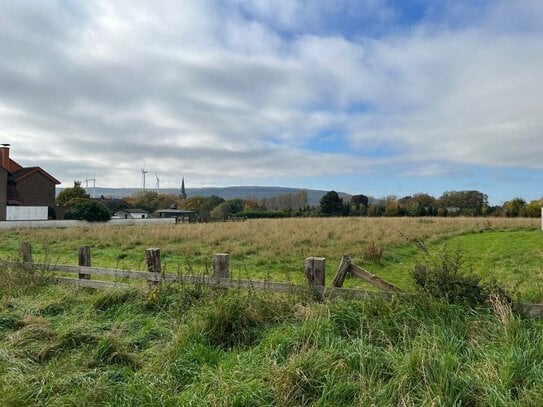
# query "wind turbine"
(143, 172)
(157, 183)
(93, 179)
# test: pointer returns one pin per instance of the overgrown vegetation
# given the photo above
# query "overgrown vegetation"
(447, 278)
(507, 250)
(72, 196)
(191, 346)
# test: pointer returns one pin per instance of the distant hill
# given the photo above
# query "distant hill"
(313, 195)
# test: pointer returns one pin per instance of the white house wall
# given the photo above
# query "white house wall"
(26, 213)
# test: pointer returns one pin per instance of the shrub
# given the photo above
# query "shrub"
(445, 279)
(69, 194)
(373, 252)
(91, 211)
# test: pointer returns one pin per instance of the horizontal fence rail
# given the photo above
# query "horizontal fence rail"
(211, 281)
(221, 278)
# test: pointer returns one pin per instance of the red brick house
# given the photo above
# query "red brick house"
(24, 186)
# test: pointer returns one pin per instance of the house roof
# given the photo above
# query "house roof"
(22, 173)
(14, 166)
(175, 211)
(134, 210)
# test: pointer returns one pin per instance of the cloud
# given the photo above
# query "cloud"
(462, 97)
(224, 90)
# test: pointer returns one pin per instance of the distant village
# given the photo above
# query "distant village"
(29, 193)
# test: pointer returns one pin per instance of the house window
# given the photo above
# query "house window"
(143, 216)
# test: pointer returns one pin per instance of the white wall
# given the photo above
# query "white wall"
(26, 213)
(138, 215)
(81, 223)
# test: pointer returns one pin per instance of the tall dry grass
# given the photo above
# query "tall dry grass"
(277, 235)
(265, 245)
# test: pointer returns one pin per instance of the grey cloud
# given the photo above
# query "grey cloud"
(198, 88)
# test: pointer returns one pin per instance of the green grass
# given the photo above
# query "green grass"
(199, 347)
(190, 346)
(509, 251)
(512, 258)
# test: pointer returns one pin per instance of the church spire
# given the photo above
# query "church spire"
(183, 195)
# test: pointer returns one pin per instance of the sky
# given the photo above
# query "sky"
(377, 97)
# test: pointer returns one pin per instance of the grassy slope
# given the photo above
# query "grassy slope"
(60, 347)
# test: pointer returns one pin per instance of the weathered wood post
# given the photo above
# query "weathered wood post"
(26, 252)
(315, 269)
(152, 258)
(221, 265)
(342, 271)
(84, 256)
(26, 255)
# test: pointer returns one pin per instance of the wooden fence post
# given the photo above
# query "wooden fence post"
(315, 268)
(152, 257)
(84, 256)
(26, 254)
(342, 271)
(221, 265)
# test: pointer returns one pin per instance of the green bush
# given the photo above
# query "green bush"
(444, 279)
(91, 211)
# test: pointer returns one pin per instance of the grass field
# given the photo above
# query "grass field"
(189, 346)
(509, 250)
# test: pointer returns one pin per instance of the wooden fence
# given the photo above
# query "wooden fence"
(315, 271)
(221, 277)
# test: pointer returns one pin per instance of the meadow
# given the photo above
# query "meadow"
(182, 345)
(507, 250)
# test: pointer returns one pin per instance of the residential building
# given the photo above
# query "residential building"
(131, 214)
(177, 213)
(25, 188)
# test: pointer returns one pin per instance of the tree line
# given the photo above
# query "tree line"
(450, 203)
